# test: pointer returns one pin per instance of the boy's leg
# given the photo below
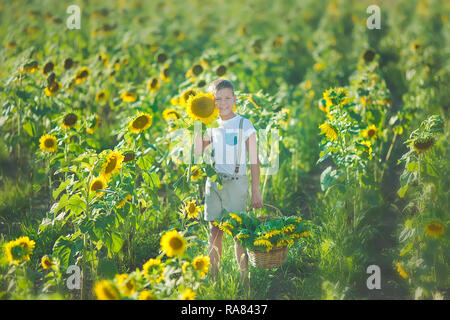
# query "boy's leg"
(242, 260)
(215, 247)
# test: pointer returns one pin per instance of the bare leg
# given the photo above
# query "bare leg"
(215, 247)
(242, 260)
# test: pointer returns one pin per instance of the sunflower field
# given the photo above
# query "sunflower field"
(100, 197)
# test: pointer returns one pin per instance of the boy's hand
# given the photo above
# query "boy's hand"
(256, 200)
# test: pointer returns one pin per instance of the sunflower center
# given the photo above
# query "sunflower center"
(162, 57)
(82, 74)
(197, 69)
(53, 86)
(70, 119)
(176, 243)
(188, 94)
(140, 122)
(97, 185)
(109, 293)
(49, 143)
(371, 133)
(202, 107)
(111, 164)
(199, 264)
(154, 83)
(221, 70)
(434, 227)
(191, 208)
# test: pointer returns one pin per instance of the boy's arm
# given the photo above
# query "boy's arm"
(252, 148)
(200, 144)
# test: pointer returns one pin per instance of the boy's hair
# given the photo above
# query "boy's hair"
(219, 84)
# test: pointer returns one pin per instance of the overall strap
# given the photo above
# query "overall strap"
(212, 149)
(238, 157)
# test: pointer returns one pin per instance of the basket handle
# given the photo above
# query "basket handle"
(273, 207)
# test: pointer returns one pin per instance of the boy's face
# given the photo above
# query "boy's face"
(225, 100)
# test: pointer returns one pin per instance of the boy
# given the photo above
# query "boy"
(230, 141)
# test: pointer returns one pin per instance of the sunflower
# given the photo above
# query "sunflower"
(164, 75)
(173, 244)
(69, 121)
(401, 271)
(319, 66)
(368, 146)
(126, 284)
(179, 35)
(142, 205)
(153, 84)
(235, 217)
(329, 131)
(19, 250)
(93, 126)
(124, 201)
(221, 70)
(202, 107)
(112, 164)
(196, 173)
(272, 233)
(52, 88)
(48, 67)
(422, 145)
(370, 132)
(368, 55)
(128, 96)
(161, 58)
(129, 156)
(106, 291)
(98, 183)
(185, 266)
(48, 143)
(434, 229)
(201, 263)
(100, 96)
(186, 95)
(174, 101)
(68, 63)
(225, 227)
(146, 295)
(188, 294)
(31, 67)
(192, 209)
(263, 243)
(140, 123)
(81, 75)
(288, 229)
(46, 262)
(171, 113)
(154, 270)
(415, 45)
(103, 58)
(196, 70)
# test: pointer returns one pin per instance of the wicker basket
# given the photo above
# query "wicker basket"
(272, 259)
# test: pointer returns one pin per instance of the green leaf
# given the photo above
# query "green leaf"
(328, 178)
(107, 268)
(30, 128)
(113, 242)
(76, 204)
(412, 166)
(61, 187)
(402, 191)
(145, 162)
(63, 249)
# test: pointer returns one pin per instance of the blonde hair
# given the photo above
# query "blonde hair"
(219, 84)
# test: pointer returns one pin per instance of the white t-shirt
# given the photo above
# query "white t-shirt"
(225, 141)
